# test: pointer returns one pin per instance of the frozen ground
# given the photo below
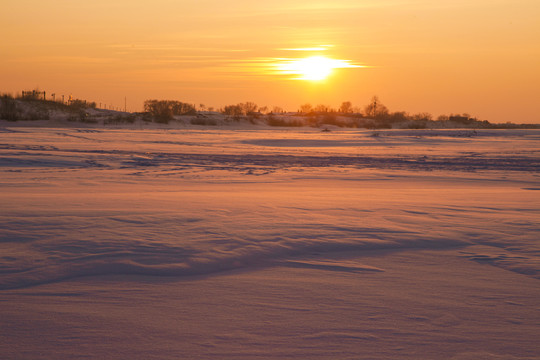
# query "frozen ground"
(227, 244)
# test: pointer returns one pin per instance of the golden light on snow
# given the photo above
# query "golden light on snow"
(314, 68)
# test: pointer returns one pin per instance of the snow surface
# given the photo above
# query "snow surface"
(269, 243)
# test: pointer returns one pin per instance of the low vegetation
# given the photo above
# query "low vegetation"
(33, 105)
(163, 111)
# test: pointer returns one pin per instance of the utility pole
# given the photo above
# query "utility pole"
(125, 103)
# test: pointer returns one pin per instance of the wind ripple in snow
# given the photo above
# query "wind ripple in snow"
(182, 247)
(52, 230)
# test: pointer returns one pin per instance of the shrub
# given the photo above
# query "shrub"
(120, 119)
(37, 114)
(417, 124)
(461, 119)
(203, 122)
(272, 120)
(233, 110)
(398, 116)
(8, 109)
(163, 110)
(81, 104)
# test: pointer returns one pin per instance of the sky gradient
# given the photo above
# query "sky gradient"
(481, 57)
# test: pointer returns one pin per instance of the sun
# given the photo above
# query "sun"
(314, 68)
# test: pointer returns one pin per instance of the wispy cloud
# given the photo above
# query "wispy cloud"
(315, 48)
(172, 47)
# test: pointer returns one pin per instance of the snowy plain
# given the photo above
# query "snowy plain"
(265, 243)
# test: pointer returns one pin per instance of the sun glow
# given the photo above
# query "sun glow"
(314, 68)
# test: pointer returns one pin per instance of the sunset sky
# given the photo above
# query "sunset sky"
(481, 57)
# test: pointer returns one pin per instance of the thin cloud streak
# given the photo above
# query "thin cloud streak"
(173, 47)
(316, 48)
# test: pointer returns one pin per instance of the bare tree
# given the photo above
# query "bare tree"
(233, 110)
(346, 107)
(443, 118)
(375, 109)
(322, 108)
(277, 110)
(422, 117)
(248, 108)
(306, 108)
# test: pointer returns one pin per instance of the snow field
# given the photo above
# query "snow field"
(314, 245)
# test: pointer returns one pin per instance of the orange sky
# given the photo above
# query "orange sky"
(477, 56)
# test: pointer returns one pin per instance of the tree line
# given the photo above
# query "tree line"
(374, 115)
